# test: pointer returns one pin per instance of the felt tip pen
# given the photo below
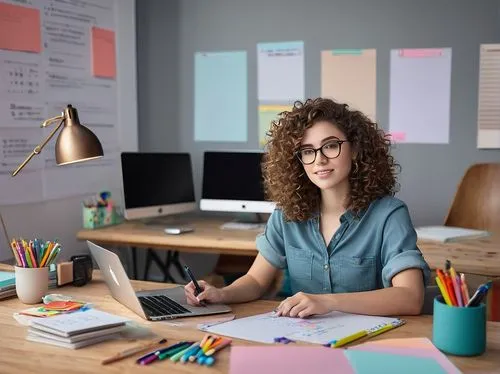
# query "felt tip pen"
(197, 287)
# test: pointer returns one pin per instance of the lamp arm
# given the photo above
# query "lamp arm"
(40, 146)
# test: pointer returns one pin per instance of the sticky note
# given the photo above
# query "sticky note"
(103, 53)
(20, 28)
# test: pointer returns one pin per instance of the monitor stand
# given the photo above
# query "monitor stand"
(246, 221)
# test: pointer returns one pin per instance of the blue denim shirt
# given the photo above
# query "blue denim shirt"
(364, 254)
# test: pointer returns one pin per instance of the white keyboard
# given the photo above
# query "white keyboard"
(242, 226)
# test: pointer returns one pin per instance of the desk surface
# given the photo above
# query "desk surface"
(21, 356)
(478, 256)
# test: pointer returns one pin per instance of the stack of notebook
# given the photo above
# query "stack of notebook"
(77, 329)
(7, 284)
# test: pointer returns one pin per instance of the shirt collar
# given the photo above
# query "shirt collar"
(348, 216)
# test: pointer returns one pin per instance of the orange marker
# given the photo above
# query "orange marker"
(224, 343)
(451, 292)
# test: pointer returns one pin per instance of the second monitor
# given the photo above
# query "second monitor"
(233, 182)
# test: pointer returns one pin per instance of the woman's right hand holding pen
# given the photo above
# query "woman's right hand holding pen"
(210, 294)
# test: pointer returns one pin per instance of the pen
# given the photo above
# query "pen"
(131, 351)
(479, 295)
(197, 287)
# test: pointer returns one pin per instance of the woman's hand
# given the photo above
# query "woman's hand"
(303, 305)
(210, 294)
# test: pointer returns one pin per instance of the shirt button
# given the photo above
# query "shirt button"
(326, 267)
(336, 236)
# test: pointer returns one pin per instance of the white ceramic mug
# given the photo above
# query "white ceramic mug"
(31, 284)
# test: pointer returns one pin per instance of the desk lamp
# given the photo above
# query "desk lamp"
(75, 143)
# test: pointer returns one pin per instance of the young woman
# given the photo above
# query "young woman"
(347, 243)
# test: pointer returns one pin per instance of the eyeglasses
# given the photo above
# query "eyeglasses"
(330, 150)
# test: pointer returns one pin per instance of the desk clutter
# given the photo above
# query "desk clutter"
(100, 211)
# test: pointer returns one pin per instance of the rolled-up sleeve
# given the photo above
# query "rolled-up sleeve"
(399, 247)
(270, 244)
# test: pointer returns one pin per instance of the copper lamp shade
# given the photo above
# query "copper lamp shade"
(75, 142)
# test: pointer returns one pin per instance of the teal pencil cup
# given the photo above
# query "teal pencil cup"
(459, 331)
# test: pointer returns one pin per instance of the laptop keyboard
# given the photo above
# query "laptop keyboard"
(161, 305)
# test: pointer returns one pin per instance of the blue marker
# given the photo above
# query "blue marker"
(479, 295)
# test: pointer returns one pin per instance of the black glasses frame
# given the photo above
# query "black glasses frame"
(339, 142)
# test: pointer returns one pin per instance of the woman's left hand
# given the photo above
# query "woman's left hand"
(303, 305)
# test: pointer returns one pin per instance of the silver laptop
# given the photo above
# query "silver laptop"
(154, 305)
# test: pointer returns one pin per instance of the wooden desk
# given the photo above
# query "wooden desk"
(21, 356)
(479, 256)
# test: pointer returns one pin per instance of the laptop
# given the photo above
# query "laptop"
(153, 305)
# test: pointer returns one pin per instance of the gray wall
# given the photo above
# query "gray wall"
(158, 27)
(170, 32)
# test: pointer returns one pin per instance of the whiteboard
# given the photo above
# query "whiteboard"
(56, 55)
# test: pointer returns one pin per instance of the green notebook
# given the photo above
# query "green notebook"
(368, 362)
(7, 278)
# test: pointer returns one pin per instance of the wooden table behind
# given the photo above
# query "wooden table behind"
(18, 355)
(478, 256)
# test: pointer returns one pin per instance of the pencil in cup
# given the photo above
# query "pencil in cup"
(35, 253)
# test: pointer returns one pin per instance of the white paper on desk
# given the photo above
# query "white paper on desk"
(265, 327)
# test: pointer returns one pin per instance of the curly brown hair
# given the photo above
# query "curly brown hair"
(373, 173)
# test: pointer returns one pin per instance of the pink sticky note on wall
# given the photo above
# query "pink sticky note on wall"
(398, 136)
(20, 28)
(103, 53)
(421, 52)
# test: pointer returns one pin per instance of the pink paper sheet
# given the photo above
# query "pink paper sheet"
(290, 359)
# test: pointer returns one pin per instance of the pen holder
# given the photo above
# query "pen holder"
(31, 284)
(99, 216)
(459, 331)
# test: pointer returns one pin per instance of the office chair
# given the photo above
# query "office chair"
(476, 204)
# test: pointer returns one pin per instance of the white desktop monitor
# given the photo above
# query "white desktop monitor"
(157, 184)
(232, 182)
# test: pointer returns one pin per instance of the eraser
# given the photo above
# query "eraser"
(64, 273)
